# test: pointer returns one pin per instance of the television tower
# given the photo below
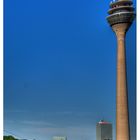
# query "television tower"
(121, 16)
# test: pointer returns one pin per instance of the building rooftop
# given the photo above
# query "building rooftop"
(103, 122)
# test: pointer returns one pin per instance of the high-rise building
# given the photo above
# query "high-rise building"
(103, 130)
(121, 16)
(59, 138)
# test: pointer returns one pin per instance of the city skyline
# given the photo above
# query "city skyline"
(60, 68)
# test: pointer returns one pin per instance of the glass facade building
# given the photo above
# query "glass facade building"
(103, 130)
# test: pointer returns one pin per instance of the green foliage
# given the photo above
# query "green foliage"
(9, 138)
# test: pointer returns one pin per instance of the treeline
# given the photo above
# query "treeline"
(9, 138)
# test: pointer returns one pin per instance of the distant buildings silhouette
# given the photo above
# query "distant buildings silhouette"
(59, 138)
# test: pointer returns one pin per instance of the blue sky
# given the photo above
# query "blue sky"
(60, 68)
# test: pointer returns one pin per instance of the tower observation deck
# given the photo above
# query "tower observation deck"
(121, 11)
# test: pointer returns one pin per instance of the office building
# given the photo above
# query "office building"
(103, 130)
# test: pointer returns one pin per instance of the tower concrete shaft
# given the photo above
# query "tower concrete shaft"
(121, 16)
(122, 120)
